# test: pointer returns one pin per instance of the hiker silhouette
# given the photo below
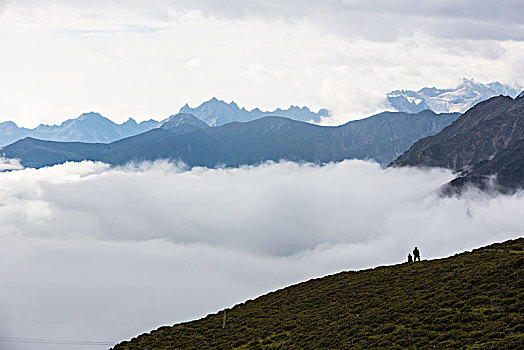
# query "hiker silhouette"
(410, 258)
(416, 254)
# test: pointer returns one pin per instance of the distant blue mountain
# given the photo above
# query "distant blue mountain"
(216, 112)
(458, 100)
(88, 127)
(93, 127)
(183, 123)
(382, 137)
(10, 132)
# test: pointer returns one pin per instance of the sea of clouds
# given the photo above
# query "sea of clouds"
(100, 253)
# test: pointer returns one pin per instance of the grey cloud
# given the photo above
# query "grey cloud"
(273, 209)
(270, 209)
(385, 20)
(504, 11)
(99, 253)
(381, 20)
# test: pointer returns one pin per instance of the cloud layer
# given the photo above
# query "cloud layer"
(476, 20)
(465, 19)
(97, 253)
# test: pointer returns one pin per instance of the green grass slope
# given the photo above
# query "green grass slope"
(472, 300)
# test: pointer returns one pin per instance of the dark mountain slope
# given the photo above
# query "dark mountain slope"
(195, 148)
(382, 137)
(504, 173)
(38, 153)
(387, 135)
(470, 300)
(276, 138)
(479, 134)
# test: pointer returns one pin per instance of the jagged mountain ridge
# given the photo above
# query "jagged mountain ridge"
(88, 127)
(93, 127)
(470, 300)
(216, 112)
(459, 99)
(381, 137)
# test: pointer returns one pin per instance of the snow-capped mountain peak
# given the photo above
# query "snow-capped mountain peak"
(468, 93)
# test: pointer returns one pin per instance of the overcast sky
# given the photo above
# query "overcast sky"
(96, 253)
(142, 59)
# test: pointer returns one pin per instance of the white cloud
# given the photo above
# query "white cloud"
(193, 62)
(9, 164)
(127, 59)
(100, 253)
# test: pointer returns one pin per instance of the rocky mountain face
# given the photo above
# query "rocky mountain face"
(485, 144)
(217, 112)
(504, 173)
(459, 99)
(387, 135)
(88, 127)
(470, 300)
(183, 138)
(479, 134)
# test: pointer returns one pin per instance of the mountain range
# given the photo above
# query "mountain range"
(471, 300)
(459, 99)
(485, 144)
(185, 138)
(217, 112)
(93, 127)
(88, 127)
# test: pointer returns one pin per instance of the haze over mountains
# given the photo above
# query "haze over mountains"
(217, 112)
(183, 137)
(88, 127)
(460, 99)
(93, 127)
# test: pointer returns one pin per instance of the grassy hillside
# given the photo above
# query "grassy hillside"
(473, 300)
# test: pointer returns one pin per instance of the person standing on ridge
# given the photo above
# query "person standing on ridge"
(410, 258)
(416, 254)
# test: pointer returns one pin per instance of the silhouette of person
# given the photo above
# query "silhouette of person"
(410, 258)
(416, 254)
